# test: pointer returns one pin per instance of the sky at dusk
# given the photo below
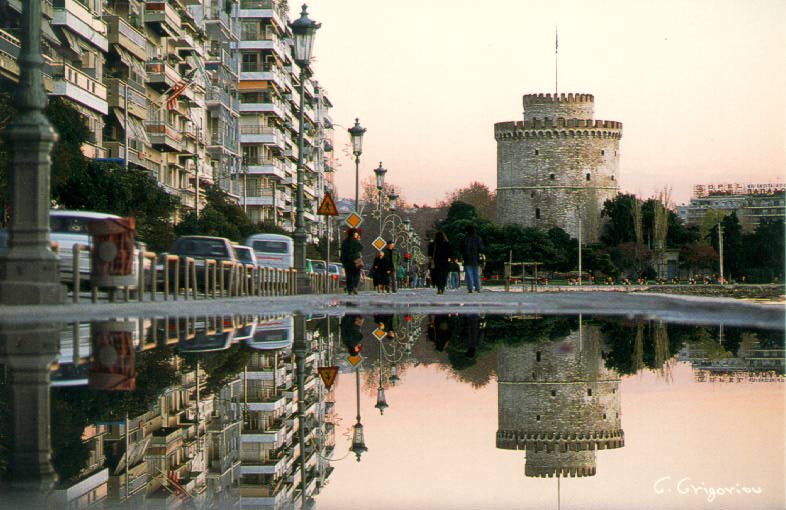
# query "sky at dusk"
(698, 85)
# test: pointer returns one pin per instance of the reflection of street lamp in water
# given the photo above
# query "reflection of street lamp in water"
(358, 442)
(381, 402)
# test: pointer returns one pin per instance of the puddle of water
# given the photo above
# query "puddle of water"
(464, 410)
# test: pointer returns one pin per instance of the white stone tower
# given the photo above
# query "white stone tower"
(558, 402)
(557, 164)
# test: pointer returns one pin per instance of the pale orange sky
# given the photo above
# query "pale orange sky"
(698, 85)
(435, 448)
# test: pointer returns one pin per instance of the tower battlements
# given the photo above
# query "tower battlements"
(518, 129)
(541, 98)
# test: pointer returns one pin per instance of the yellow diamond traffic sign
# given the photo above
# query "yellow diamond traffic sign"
(379, 333)
(353, 220)
(354, 360)
(379, 243)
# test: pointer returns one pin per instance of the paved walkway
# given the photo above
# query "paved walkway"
(685, 309)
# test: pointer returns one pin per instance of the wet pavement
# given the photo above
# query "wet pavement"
(355, 405)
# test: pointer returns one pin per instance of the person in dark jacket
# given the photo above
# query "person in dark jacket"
(439, 256)
(380, 272)
(472, 250)
(394, 260)
(351, 259)
(351, 334)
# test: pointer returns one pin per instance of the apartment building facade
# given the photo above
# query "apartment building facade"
(196, 92)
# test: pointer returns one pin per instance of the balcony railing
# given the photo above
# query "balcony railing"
(80, 79)
(259, 130)
(121, 32)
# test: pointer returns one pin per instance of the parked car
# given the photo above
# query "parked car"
(272, 250)
(337, 272)
(245, 255)
(201, 248)
(272, 333)
(316, 266)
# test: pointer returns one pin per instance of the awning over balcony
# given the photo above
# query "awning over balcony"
(129, 60)
(135, 128)
(72, 42)
(48, 33)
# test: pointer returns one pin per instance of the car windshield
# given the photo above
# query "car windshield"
(318, 267)
(334, 269)
(244, 255)
(271, 335)
(201, 247)
(69, 224)
(270, 246)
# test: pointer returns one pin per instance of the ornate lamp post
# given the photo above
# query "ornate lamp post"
(358, 441)
(356, 135)
(380, 173)
(29, 272)
(303, 31)
(381, 402)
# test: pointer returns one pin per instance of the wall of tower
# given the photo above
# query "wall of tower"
(557, 164)
(557, 396)
(568, 106)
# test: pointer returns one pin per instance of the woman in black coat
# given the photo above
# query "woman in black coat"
(380, 271)
(439, 253)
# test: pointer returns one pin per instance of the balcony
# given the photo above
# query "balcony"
(216, 96)
(272, 9)
(135, 157)
(218, 22)
(80, 20)
(266, 403)
(78, 86)
(277, 107)
(251, 71)
(164, 137)
(127, 37)
(262, 134)
(267, 167)
(163, 18)
(264, 198)
(137, 102)
(275, 466)
(161, 74)
(264, 41)
(9, 52)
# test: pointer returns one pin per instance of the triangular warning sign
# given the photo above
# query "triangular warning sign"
(328, 375)
(327, 207)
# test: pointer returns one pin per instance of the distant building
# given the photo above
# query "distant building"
(752, 203)
(558, 166)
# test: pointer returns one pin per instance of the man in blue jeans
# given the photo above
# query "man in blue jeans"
(472, 250)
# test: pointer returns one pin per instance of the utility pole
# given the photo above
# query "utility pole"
(578, 214)
(720, 250)
(125, 129)
(196, 171)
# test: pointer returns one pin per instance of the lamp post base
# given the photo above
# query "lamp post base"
(303, 284)
(30, 281)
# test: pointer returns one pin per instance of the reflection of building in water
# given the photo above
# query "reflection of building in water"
(271, 455)
(558, 402)
(753, 362)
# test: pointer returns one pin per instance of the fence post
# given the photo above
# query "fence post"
(140, 285)
(76, 276)
(177, 278)
(154, 280)
(195, 286)
(507, 276)
(165, 256)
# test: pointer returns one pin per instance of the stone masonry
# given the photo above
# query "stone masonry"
(557, 401)
(557, 164)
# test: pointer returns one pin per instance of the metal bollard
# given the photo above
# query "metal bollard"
(165, 257)
(154, 279)
(75, 268)
(186, 277)
(140, 286)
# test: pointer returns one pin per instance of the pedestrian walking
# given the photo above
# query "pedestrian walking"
(439, 255)
(380, 272)
(453, 274)
(394, 261)
(473, 250)
(352, 259)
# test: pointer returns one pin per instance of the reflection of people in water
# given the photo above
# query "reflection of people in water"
(351, 334)
(439, 331)
(473, 333)
(388, 323)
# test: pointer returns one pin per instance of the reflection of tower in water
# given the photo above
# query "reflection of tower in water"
(558, 402)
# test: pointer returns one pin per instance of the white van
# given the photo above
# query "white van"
(273, 250)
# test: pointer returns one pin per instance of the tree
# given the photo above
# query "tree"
(763, 252)
(477, 195)
(695, 256)
(221, 217)
(619, 227)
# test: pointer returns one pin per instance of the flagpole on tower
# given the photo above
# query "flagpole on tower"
(556, 56)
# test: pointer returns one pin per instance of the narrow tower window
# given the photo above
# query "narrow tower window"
(588, 176)
(552, 176)
(602, 152)
(537, 417)
(537, 152)
(612, 177)
(589, 392)
(537, 214)
(537, 356)
(553, 393)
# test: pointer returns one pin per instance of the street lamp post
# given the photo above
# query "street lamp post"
(382, 403)
(380, 173)
(356, 135)
(303, 31)
(29, 271)
(358, 441)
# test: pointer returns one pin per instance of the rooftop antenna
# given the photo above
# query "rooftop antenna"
(556, 56)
